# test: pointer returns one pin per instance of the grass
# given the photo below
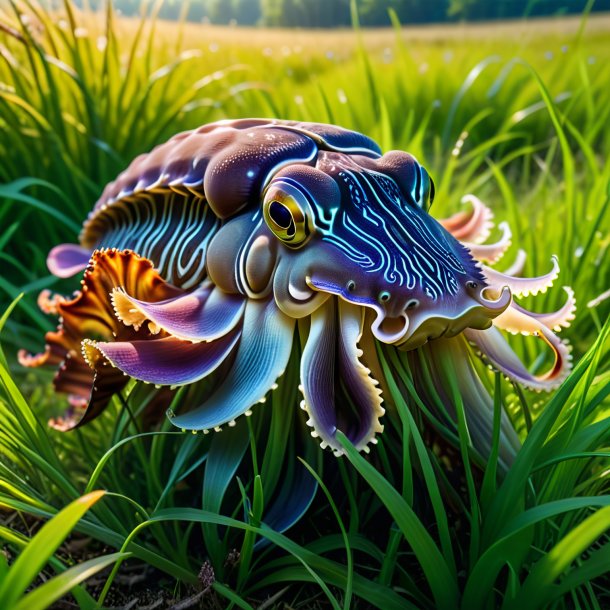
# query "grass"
(517, 117)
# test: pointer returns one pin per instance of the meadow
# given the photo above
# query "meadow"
(257, 515)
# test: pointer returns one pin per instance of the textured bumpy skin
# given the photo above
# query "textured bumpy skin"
(210, 256)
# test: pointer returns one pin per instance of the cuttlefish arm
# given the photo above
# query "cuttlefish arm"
(515, 320)
(261, 357)
(339, 392)
(167, 361)
(496, 349)
(492, 253)
(520, 286)
(206, 314)
(473, 226)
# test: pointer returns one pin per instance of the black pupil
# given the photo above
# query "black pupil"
(280, 215)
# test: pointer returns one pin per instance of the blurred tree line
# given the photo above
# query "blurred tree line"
(333, 13)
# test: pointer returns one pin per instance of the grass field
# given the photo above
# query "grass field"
(516, 113)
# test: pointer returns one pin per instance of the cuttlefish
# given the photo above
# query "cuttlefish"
(219, 252)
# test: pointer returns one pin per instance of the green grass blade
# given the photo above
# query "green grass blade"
(42, 547)
(537, 590)
(443, 586)
(55, 588)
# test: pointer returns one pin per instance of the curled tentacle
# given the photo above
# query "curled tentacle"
(492, 253)
(474, 226)
(49, 302)
(555, 320)
(522, 287)
(497, 350)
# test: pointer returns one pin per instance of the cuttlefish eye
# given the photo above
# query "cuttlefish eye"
(288, 214)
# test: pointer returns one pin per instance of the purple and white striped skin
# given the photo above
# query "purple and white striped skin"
(230, 243)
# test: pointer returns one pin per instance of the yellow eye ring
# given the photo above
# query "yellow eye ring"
(285, 210)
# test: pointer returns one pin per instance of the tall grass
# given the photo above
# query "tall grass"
(521, 123)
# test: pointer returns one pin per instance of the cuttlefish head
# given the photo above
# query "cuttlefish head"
(359, 228)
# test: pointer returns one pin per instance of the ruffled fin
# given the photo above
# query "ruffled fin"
(90, 315)
(88, 391)
(261, 357)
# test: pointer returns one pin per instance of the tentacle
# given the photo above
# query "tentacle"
(202, 315)
(518, 265)
(58, 345)
(48, 302)
(492, 253)
(497, 350)
(474, 226)
(331, 359)
(67, 260)
(555, 320)
(166, 361)
(261, 357)
(368, 345)
(522, 287)
(449, 362)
